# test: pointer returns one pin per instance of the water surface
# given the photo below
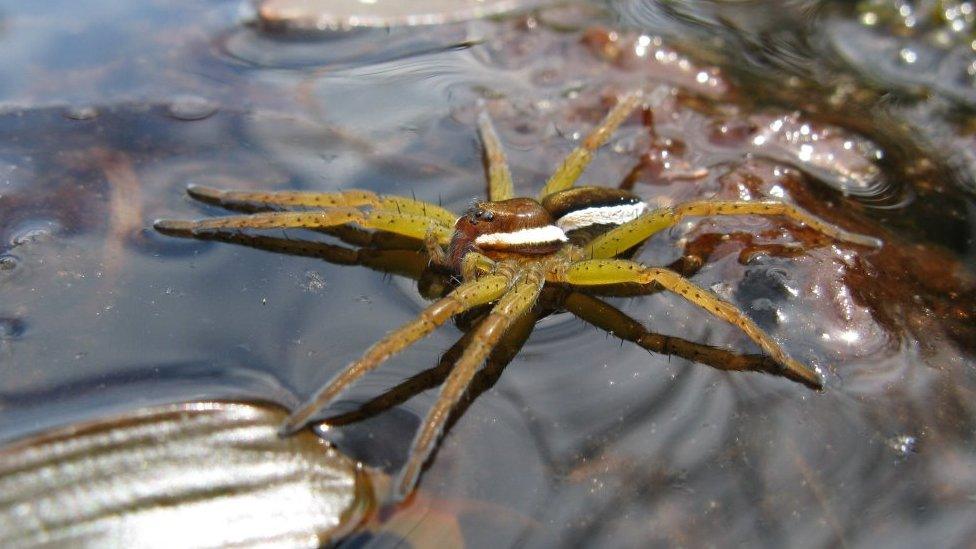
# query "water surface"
(107, 112)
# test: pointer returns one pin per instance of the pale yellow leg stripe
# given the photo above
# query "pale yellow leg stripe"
(509, 308)
(577, 161)
(630, 234)
(466, 296)
(618, 271)
(414, 226)
(500, 185)
(343, 199)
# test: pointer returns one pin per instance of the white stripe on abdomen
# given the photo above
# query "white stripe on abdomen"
(601, 215)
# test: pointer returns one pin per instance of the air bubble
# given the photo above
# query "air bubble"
(903, 445)
(81, 112)
(192, 108)
(31, 235)
(907, 56)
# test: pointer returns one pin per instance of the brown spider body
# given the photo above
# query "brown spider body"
(525, 228)
(504, 229)
(506, 250)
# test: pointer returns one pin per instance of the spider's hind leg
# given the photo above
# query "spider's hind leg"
(598, 272)
(616, 322)
(632, 233)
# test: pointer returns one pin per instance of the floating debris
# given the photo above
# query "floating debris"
(196, 474)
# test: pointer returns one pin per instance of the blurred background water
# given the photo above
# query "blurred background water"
(861, 112)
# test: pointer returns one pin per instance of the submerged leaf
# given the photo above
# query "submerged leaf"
(182, 475)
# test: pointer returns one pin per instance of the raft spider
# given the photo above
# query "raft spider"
(505, 250)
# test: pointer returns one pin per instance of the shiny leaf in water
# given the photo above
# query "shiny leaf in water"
(199, 474)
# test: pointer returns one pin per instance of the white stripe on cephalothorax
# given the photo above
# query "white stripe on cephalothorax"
(537, 235)
(601, 215)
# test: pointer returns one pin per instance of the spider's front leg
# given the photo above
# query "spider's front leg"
(598, 272)
(402, 223)
(569, 171)
(500, 185)
(510, 307)
(257, 201)
(630, 234)
(466, 296)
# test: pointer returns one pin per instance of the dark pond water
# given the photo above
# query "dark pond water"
(862, 114)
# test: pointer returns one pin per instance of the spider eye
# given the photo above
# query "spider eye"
(487, 216)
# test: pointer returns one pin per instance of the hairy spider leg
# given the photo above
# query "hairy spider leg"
(510, 307)
(500, 186)
(500, 356)
(275, 200)
(464, 297)
(569, 171)
(626, 236)
(408, 263)
(618, 271)
(406, 224)
(610, 319)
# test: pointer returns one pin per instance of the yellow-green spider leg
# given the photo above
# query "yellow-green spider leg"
(408, 263)
(510, 307)
(628, 235)
(598, 272)
(616, 322)
(500, 185)
(251, 200)
(577, 161)
(500, 356)
(464, 297)
(414, 226)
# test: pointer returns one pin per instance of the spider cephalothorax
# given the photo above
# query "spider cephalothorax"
(517, 227)
(505, 250)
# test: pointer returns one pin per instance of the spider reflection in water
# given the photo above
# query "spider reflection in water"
(510, 252)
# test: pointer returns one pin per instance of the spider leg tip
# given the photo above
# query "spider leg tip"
(173, 226)
(290, 426)
(873, 242)
(808, 376)
(403, 488)
(203, 193)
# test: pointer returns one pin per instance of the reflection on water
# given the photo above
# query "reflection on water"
(109, 112)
